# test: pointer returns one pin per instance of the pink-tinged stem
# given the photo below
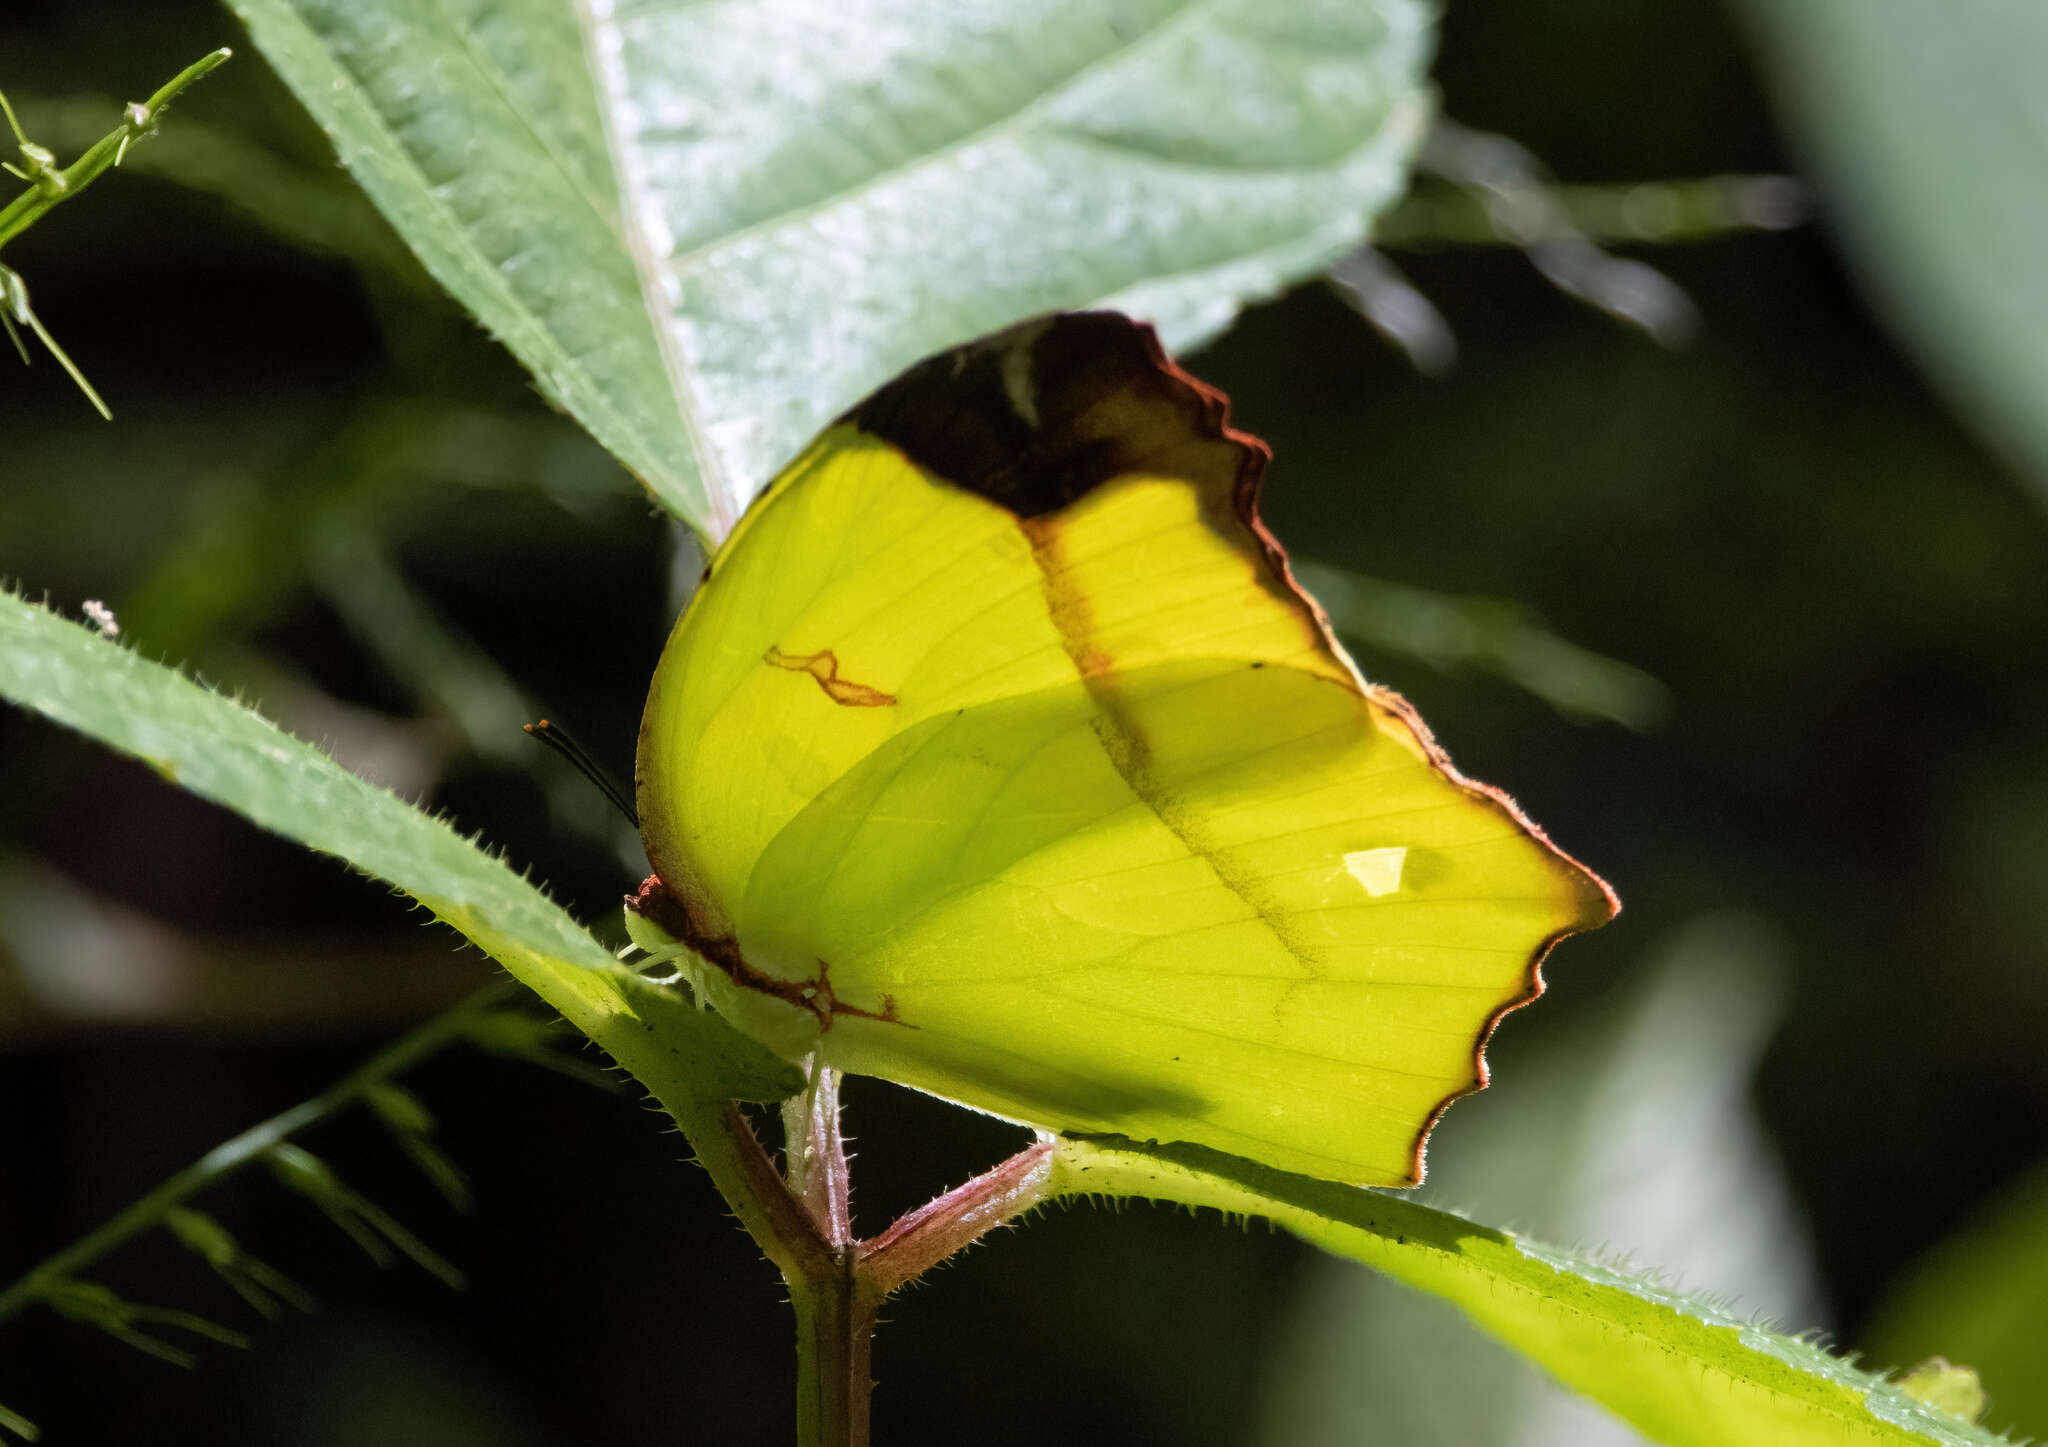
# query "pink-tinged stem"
(801, 1217)
(955, 1221)
(816, 1164)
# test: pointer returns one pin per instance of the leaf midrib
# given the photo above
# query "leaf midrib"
(723, 503)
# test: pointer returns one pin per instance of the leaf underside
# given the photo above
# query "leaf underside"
(817, 196)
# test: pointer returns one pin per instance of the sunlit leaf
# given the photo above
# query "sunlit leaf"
(820, 195)
(224, 751)
(1679, 1368)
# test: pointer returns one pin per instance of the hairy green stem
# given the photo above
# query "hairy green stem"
(250, 1146)
(835, 1321)
(52, 187)
(781, 1226)
(815, 1155)
(800, 1222)
(835, 1332)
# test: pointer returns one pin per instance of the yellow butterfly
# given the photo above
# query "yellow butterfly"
(999, 755)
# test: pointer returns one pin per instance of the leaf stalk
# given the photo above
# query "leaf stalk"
(801, 1218)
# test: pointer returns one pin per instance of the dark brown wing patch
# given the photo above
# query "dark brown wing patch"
(1036, 416)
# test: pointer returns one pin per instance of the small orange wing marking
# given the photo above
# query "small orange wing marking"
(824, 666)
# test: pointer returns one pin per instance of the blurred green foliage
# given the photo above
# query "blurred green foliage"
(1924, 129)
(1981, 1298)
(326, 486)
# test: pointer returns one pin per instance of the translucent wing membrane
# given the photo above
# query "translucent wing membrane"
(999, 756)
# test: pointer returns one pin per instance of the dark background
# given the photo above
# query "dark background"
(1781, 523)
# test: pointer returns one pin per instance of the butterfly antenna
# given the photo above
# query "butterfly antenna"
(564, 743)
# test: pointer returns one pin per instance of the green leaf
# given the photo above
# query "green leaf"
(475, 130)
(1980, 1298)
(1925, 130)
(1680, 1369)
(224, 751)
(819, 197)
(412, 1125)
(375, 1230)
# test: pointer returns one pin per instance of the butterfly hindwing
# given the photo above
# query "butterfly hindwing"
(1000, 756)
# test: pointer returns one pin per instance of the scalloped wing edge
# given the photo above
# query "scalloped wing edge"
(1029, 430)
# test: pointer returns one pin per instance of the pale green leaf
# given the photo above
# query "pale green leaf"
(222, 750)
(1928, 139)
(820, 195)
(1680, 1369)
